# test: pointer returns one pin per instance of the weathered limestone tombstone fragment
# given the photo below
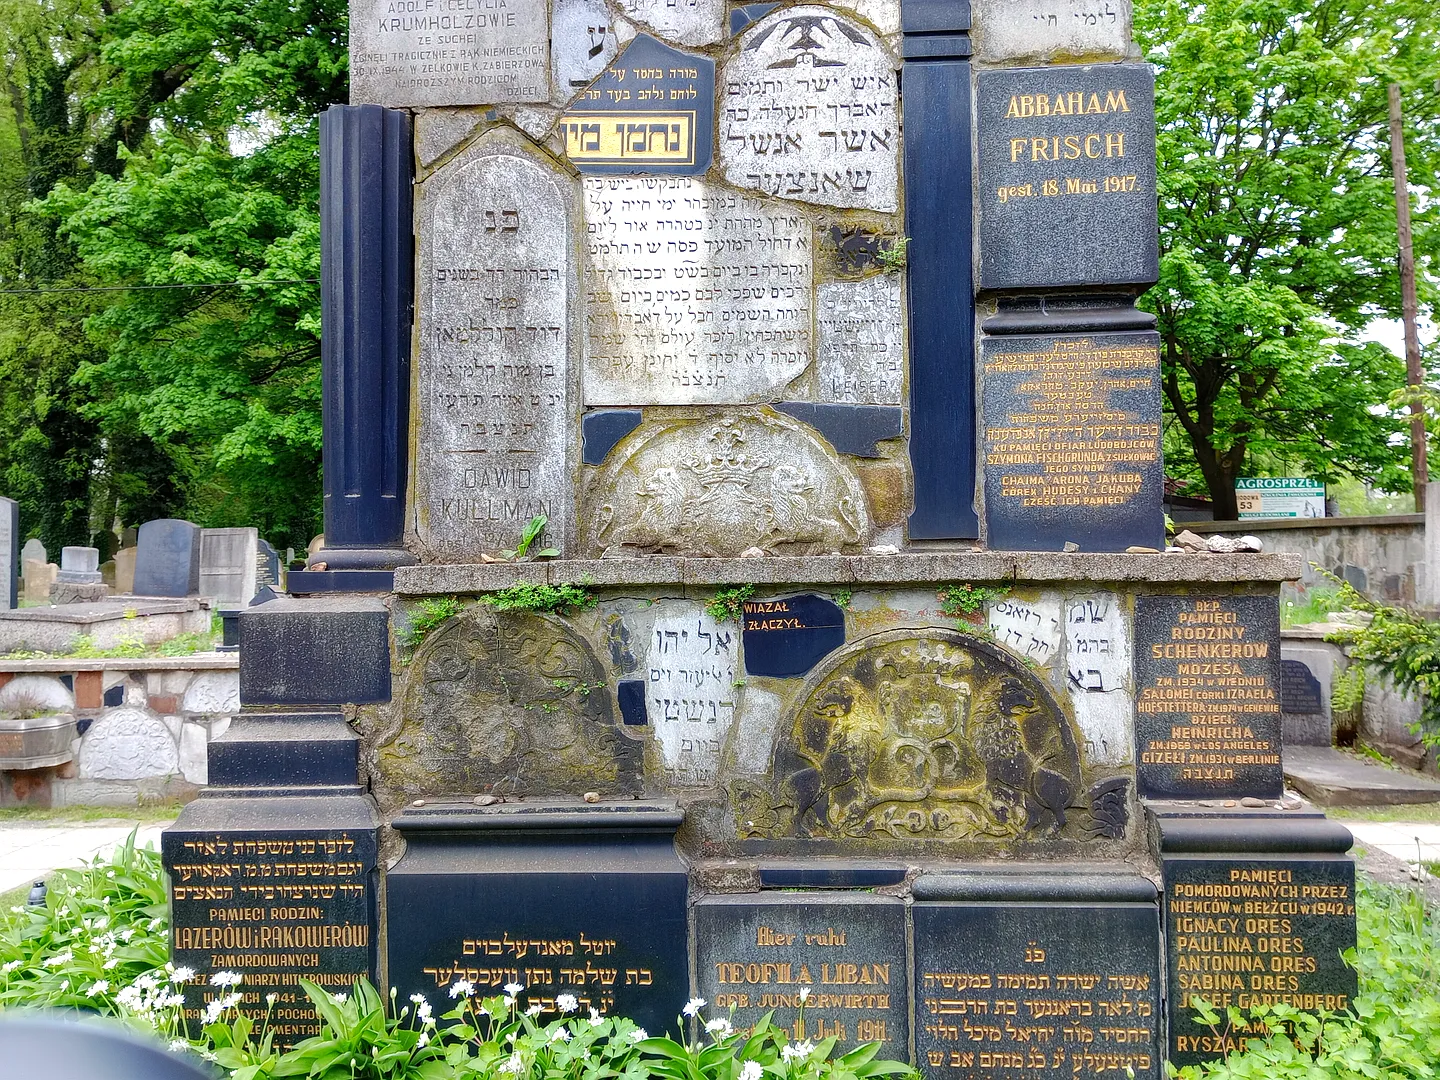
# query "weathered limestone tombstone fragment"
(582, 42)
(497, 346)
(9, 554)
(686, 22)
(125, 569)
(167, 559)
(79, 580)
(859, 356)
(228, 564)
(416, 54)
(723, 486)
(811, 111)
(1041, 30)
(693, 295)
(690, 691)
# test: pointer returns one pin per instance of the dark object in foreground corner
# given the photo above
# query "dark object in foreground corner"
(37, 894)
(37, 1044)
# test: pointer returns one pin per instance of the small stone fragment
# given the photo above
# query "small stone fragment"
(319, 566)
(592, 796)
(1141, 549)
(1188, 541)
(1251, 801)
(1229, 802)
(1070, 545)
(486, 800)
(882, 549)
(418, 802)
(752, 553)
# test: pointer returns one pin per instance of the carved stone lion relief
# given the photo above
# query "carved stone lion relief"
(920, 734)
(722, 486)
(510, 703)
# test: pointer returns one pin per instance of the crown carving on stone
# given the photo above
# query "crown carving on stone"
(727, 463)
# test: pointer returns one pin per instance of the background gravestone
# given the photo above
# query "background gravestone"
(79, 566)
(125, 569)
(167, 561)
(267, 565)
(228, 564)
(9, 553)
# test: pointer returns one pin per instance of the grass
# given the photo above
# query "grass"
(61, 814)
(1424, 812)
(1319, 602)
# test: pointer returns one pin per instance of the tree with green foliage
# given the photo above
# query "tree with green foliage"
(170, 145)
(1277, 230)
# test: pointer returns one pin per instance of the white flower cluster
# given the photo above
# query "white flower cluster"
(752, 1070)
(566, 1003)
(693, 1006)
(148, 997)
(423, 1011)
(795, 1051)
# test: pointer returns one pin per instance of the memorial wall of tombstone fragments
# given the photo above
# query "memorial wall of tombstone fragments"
(709, 285)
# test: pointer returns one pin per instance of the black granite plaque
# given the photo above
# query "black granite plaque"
(1254, 931)
(845, 953)
(1208, 704)
(787, 637)
(1299, 689)
(1072, 442)
(1066, 176)
(1037, 990)
(586, 900)
(276, 907)
(651, 111)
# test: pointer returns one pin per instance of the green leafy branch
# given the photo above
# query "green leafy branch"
(549, 599)
(428, 616)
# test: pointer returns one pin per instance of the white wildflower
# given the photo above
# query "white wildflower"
(595, 1018)
(182, 975)
(693, 1006)
(147, 981)
(719, 1027)
(60, 959)
(513, 1064)
(99, 986)
(174, 1001)
(271, 999)
(804, 994)
(566, 1003)
(535, 1009)
(461, 988)
(424, 1012)
(792, 1051)
(638, 1035)
(560, 1034)
(65, 986)
(423, 1041)
(5, 969)
(513, 988)
(752, 1070)
(340, 999)
(125, 934)
(226, 978)
(111, 964)
(130, 998)
(17, 909)
(177, 1045)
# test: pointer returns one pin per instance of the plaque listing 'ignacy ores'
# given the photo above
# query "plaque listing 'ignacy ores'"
(1207, 696)
(448, 52)
(495, 307)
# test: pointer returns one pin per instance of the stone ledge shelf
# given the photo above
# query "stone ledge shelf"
(977, 566)
(206, 661)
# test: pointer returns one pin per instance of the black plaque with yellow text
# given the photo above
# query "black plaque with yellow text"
(1254, 931)
(825, 964)
(1207, 683)
(274, 906)
(1066, 176)
(1047, 991)
(1072, 442)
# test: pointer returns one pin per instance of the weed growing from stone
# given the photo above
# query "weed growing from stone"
(549, 599)
(429, 615)
(728, 603)
(958, 601)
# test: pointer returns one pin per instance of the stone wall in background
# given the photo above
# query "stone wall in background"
(144, 726)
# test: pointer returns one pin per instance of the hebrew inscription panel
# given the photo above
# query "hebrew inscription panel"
(495, 304)
(694, 296)
(860, 355)
(690, 691)
(809, 111)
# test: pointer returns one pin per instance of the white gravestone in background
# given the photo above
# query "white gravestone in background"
(10, 554)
